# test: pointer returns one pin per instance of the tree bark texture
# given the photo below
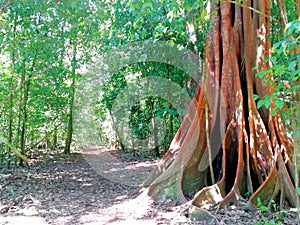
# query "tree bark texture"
(249, 148)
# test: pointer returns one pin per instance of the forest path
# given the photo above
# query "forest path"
(98, 188)
(79, 189)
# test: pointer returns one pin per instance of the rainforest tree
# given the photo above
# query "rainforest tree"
(227, 147)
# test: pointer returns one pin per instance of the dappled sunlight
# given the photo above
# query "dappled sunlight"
(69, 191)
(56, 190)
(106, 163)
(128, 210)
(140, 210)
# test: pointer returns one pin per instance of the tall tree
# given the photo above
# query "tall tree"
(43, 47)
(254, 154)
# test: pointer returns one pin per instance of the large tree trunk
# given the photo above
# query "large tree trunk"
(249, 148)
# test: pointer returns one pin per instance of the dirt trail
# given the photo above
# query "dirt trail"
(77, 190)
(71, 191)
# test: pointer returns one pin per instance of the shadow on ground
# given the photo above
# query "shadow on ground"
(69, 190)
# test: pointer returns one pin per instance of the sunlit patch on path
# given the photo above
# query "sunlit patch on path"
(111, 167)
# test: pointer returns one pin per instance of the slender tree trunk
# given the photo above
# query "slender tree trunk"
(55, 133)
(154, 126)
(72, 95)
(21, 107)
(11, 106)
(10, 129)
(11, 87)
(282, 15)
(24, 107)
(20, 113)
(118, 132)
(24, 120)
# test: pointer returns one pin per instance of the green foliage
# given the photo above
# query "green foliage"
(143, 111)
(37, 40)
(267, 222)
(37, 65)
(285, 74)
(279, 216)
(279, 219)
(261, 206)
(247, 195)
(38, 69)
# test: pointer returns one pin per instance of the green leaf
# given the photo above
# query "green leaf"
(279, 103)
(267, 103)
(255, 97)
(291, 27)
(260, 104)
(273, 112)
(203, 14)
(277, 45)
(292, 65)
(189, 5)
(259, 203)
(262, 73)
(263, 208)
(273, 59)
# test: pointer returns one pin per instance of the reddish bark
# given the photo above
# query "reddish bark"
(254, 155)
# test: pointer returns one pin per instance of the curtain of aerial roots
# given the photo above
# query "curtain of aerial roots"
(248, 148)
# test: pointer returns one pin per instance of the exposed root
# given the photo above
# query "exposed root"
(255, 150)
